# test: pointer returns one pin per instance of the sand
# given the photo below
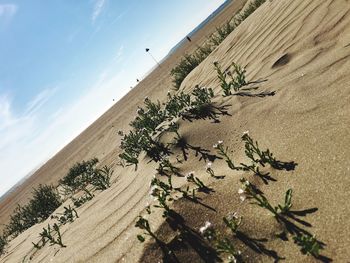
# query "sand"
(298, 49)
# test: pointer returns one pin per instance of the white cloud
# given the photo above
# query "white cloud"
(120, 52)
(26, 142)
(8, 10)
(98, 7)
(39, 100)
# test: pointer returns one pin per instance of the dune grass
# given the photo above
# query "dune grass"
(191, 61)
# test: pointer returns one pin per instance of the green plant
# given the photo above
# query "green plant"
(232, 221)
(69, 215)
(309, 244)
(225, 246)
(237, 81)
(202, 101)
(225, 86)
(263, 157)
(185, 66)
(102, 178)
(160, 191)
(165, 166)
(193, 179)
(191, 61)
(44, 202)
(248, 190)
(176, 104)
(79, 177)
(82, 175)
(224, 153)
(143, 224)
(221, 244)
(3, 243)
(210, 170)
(48, 234)
(81, 200)
(283, 209)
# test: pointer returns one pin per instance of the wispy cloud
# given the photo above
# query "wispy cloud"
(39, 100)
(8, 10)
(119, 55)
(98, 7)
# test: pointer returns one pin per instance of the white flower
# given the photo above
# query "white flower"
(153, 190)
(242, 197)
(218, 144)
(245, 133)
(231, 216)
(209, 164)
(232, 259)
(241, 191)
(205, 227)
(190, 174)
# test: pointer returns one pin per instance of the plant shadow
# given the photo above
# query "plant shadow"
(207, 111)
(189, 238)
(199, 151)
(295, 230)
(258, 246)
(262, 94)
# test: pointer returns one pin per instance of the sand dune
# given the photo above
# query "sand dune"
(297, 49)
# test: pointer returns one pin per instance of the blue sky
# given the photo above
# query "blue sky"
(63, 62)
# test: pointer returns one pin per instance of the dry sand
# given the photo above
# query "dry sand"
(302, 49)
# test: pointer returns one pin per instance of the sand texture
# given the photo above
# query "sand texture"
(296, 54)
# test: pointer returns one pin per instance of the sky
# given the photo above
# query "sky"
(63, 62)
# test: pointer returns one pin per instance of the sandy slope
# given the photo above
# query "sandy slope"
(302, 49)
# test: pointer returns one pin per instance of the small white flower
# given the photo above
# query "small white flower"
(205, 227)
(209, 164)
(190, 174)
(215, 146)
(232, 259)
(241, 191)
(242, 197)
(220, 142)
(245, 133)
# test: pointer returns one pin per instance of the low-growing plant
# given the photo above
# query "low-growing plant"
(221, 244)
(69, 215)
(81, 200)
(200, 106)
(165, 167)
(150, 117)
(237, 78)
(44, 202)
(102, 179)
(143, 224)
(210, 170)
(3, 243)
(309, 244)
(283, 209)
(252, 148)
(193, 179)
(191, 61)
(176, 104)
(48, 235)
(232, 221)
(224, 153)
(226, 246)
(85, 174)
(248, 190)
